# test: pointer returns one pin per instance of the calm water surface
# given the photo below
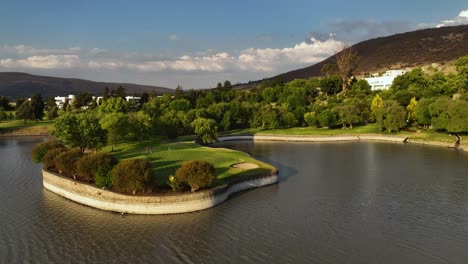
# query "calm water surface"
(336, 203)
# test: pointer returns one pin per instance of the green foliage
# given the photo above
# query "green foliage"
(114, 105)
(52, 113)
(83, 100)
(48, 160)
(25, 111)
(40, 150)
(310, 118)
(421, 112)
(411, 110)
(66, 161)
(116, 125)
(89, 166)
(37, 106)
(196, 173)
(205, 129)
(131, 176)
(82, 130)
(394, 117)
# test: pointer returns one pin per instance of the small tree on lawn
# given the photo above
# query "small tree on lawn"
(196, 173)
(131, 176)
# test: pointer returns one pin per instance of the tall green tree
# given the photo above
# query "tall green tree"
(37, 106)
(82, 130)
(25, 111)
(205, 129)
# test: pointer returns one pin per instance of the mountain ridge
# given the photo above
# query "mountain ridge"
(20, 84)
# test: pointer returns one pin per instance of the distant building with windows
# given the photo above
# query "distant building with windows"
(384, 81)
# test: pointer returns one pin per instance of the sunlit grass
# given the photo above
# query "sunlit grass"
(166, 158)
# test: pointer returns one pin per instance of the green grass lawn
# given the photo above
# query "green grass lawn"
(370, 128)
(166, 158)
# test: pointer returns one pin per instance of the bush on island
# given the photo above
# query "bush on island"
(131, 176)
(88, 166)
(196, 173)
(48, 160)
(40, 150)
(66, 161)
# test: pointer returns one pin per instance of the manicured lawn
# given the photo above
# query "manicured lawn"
(370, 128)
(166, 158)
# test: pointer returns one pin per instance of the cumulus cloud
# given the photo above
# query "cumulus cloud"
(461, 19)
(42, 62)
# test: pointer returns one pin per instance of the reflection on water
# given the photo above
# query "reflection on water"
(339, 203)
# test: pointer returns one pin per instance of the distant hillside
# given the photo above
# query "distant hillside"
(411, 49)
(18, 84)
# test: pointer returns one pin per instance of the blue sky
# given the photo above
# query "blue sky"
(197, 43)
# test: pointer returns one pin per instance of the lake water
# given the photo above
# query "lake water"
(335, 203)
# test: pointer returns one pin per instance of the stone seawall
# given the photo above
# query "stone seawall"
(154, 204)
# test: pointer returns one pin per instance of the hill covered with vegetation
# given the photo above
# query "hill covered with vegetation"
(17, 84)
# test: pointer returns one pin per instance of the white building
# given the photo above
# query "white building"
(60, 100)
(385, 81)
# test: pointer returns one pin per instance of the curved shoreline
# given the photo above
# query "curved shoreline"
(156, 204)
(344, 138)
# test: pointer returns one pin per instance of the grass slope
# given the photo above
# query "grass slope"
(19, 128)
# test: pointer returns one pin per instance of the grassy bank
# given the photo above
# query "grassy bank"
(166, 158)
(418, 134)
(30, 128)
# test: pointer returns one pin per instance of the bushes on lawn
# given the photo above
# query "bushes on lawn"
(89, 166)
(66, 161)
(196, 173)
(48, 160)
(131, 176)
(41, 150)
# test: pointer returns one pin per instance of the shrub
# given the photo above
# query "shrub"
(48, 160)
(196, 173)
(40, 150)
(66, 161)
(131, 176)
(88, 166)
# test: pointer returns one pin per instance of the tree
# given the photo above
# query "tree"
(106, 93)
(37, 106)
(83, 100)
(144, 98)
(394, 116)
(411, 110)
(179, 92)
(347, 61)
(116, 125)
(52, 113)
(310, 118)
(196, 173)
(227, 85)
(25, 111)
(82, 130)
(121, 92)
(131, 176)
(205, 129)
(114, 105)
(376, 106)
(421, 112)
(139, 125)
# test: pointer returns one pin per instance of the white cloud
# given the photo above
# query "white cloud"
(304, 53)
(461, 19)
(42, 62)
(29, 50)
